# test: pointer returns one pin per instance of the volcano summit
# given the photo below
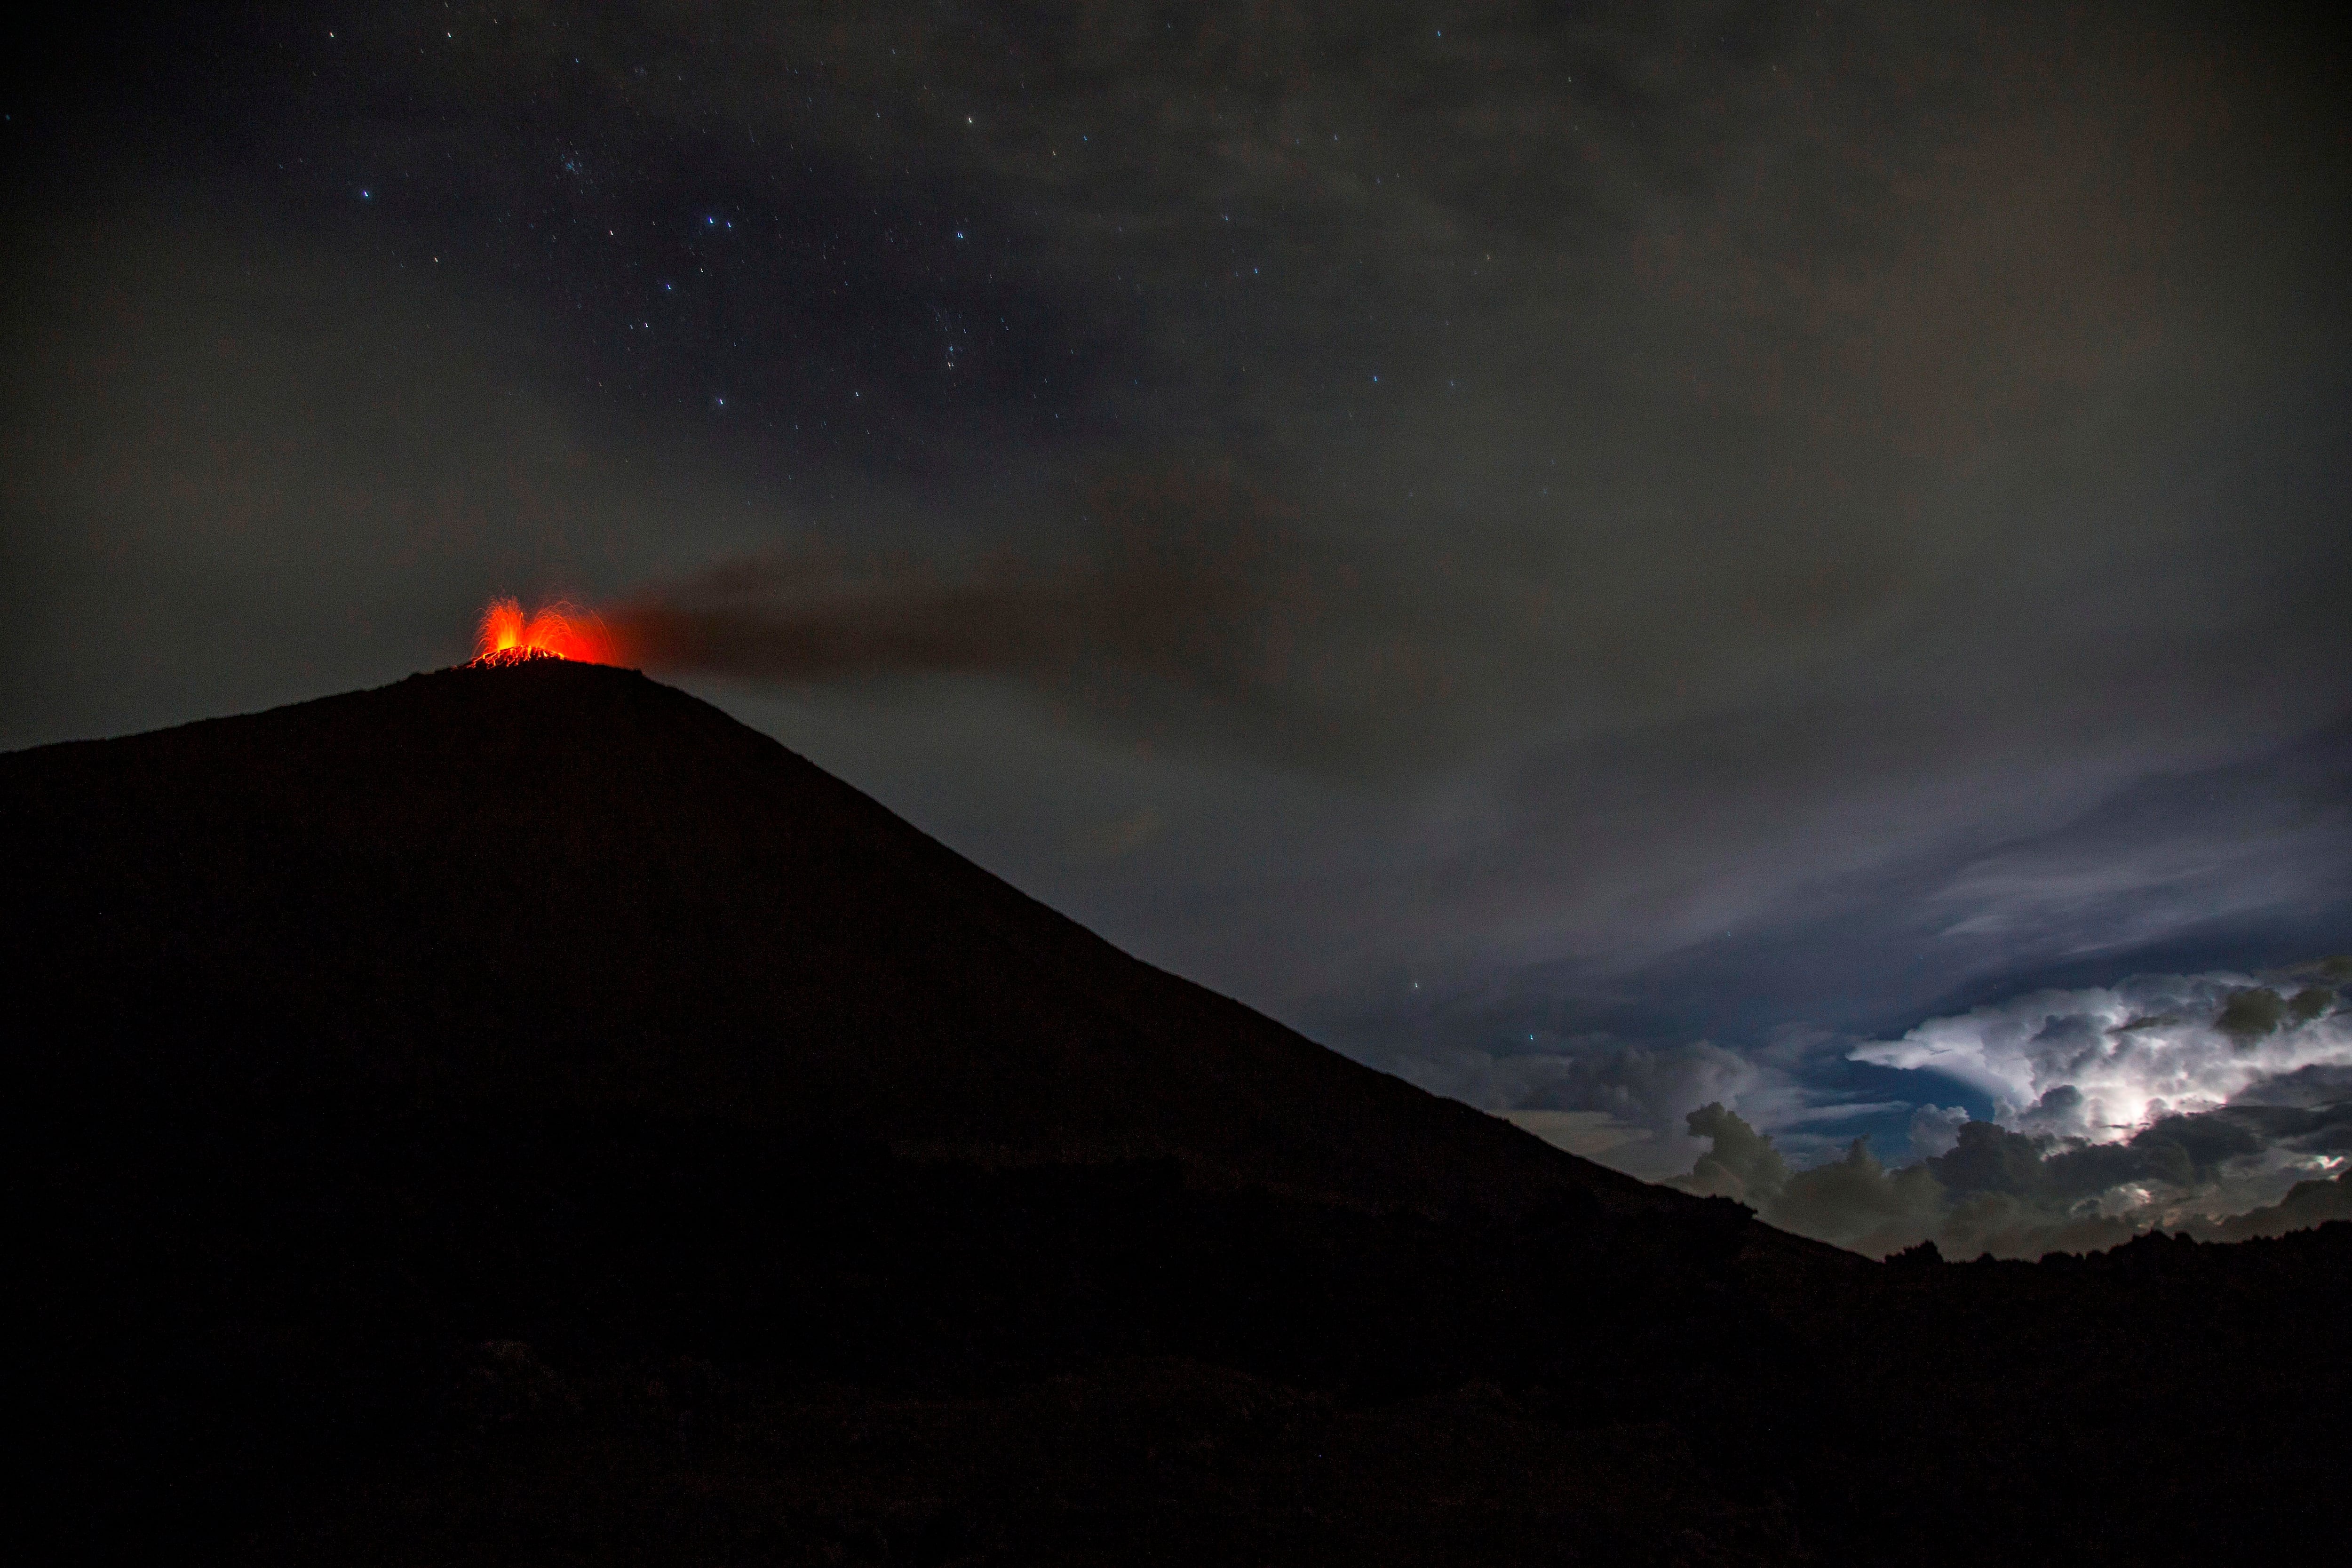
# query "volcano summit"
(520, 1114)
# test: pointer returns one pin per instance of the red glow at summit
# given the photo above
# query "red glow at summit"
(556, 631)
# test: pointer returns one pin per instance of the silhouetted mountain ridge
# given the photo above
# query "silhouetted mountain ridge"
(562, 879)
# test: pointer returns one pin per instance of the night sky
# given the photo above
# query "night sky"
(1609, 558)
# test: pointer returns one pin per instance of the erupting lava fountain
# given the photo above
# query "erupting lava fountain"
(556, 631)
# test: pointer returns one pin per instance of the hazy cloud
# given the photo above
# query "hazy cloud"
(1594, 1134)
(2306, 1204)
(1624, 1102)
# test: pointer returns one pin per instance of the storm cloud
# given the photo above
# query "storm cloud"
(2101, 1063)
(2255, 1139)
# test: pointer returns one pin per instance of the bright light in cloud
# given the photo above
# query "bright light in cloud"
(2211, 1103)
(2103, 1063)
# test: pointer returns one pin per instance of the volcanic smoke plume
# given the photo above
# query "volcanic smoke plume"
(1188, 585)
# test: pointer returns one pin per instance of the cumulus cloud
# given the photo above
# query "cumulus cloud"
(2218, 1104)
(1858, 1203)
(1935, 1129)
(1741, 1164)
(1852, 1202)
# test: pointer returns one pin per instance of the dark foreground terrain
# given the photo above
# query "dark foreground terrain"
(522, 1116)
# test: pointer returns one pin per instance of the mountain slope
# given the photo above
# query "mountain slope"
(547, 1004)
(561, 879)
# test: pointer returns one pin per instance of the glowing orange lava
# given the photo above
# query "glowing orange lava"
(558, 631)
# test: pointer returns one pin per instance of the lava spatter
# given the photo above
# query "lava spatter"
(506, 636)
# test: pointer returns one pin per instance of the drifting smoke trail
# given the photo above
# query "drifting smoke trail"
(1186, 590)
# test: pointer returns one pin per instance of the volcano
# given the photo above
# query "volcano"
(568, 885)
(522, 1114)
